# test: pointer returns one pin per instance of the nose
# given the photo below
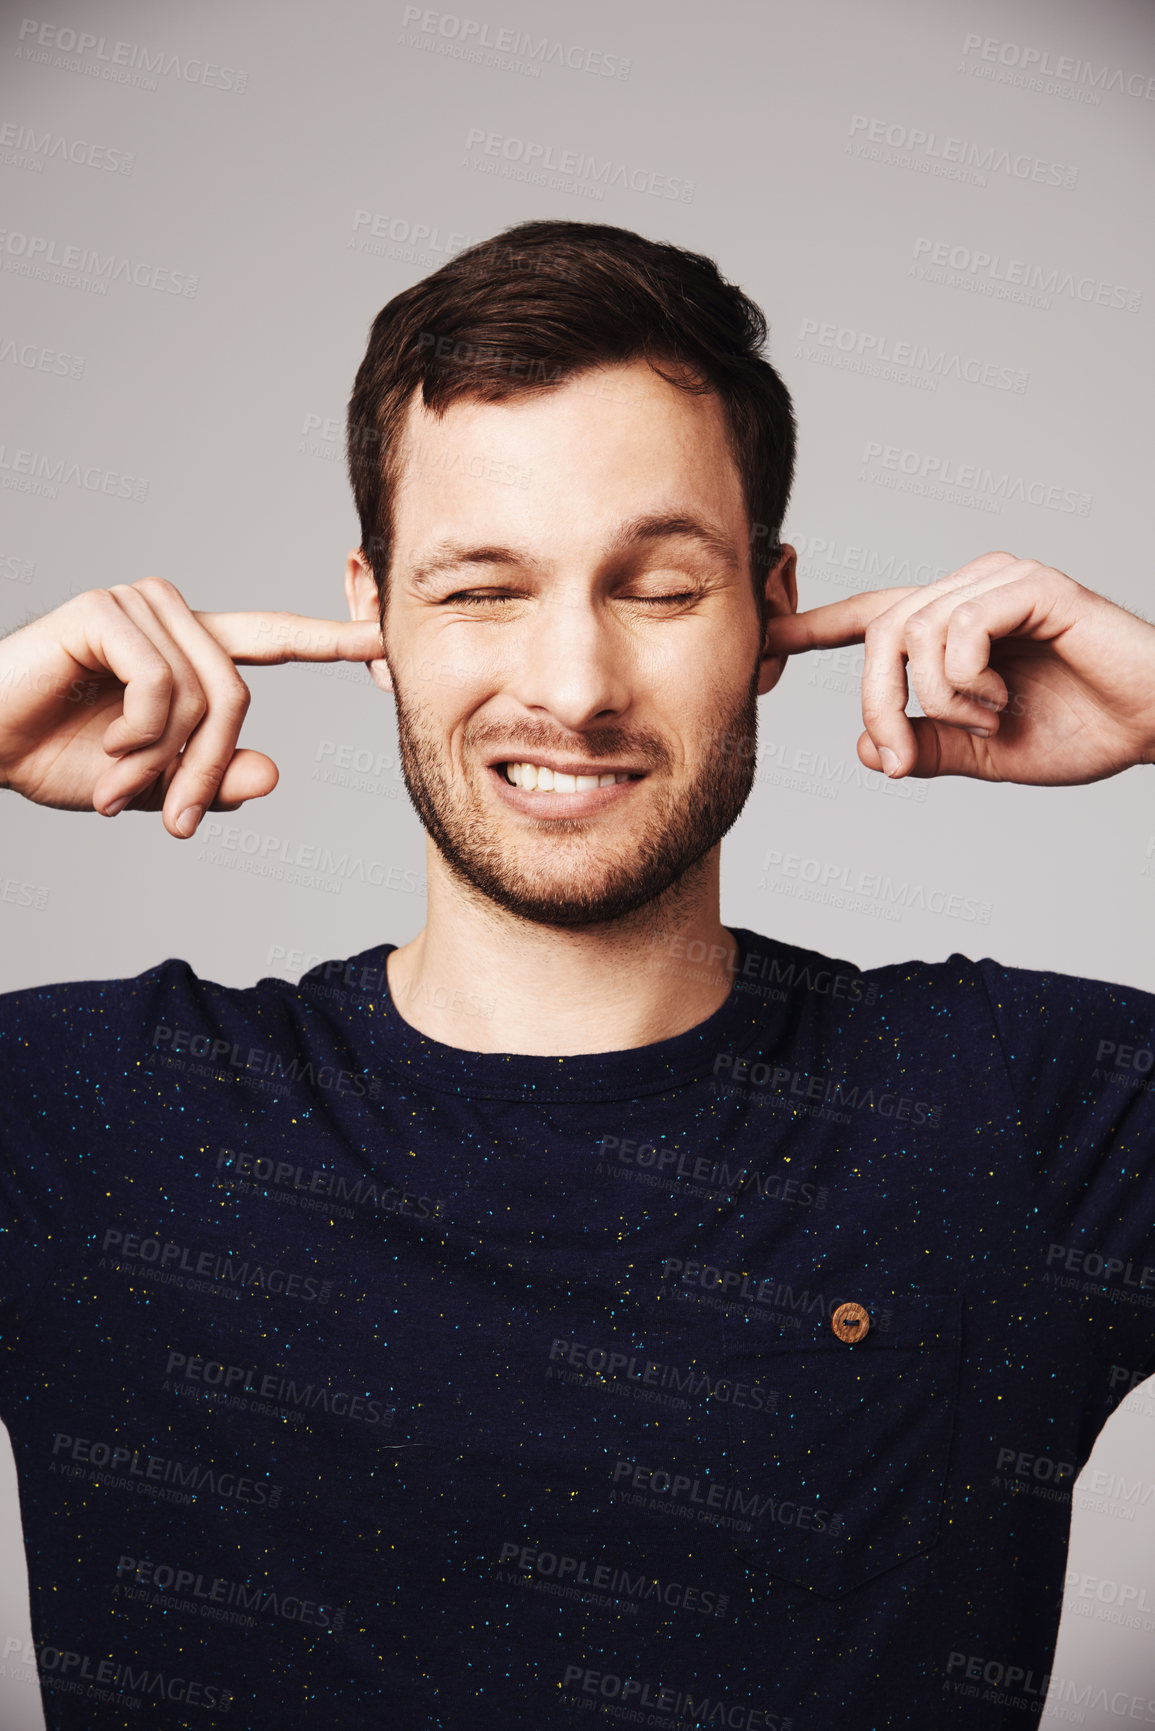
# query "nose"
(570, 660)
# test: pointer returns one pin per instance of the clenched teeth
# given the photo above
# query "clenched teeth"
(544, 780)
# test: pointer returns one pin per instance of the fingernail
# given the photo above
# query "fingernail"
(889, 759)
(111, 810)
(983, 732)
(189, 818)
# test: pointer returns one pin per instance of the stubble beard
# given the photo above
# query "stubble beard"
(583, 882)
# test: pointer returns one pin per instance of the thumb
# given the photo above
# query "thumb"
(250, 775)
(939, 750)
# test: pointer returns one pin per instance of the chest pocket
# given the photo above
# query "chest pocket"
(847, 1478)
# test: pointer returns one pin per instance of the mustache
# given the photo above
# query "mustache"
(605, 744)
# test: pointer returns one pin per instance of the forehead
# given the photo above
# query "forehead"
(565, 462)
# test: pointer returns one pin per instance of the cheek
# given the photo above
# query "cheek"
(687, 692)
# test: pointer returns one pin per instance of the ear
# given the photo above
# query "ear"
(361, 594)
(781, 597)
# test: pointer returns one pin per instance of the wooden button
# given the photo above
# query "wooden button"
(850, 1322)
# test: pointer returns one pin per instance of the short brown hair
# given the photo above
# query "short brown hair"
(541, 302)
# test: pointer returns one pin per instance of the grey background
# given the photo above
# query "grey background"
(228, 401)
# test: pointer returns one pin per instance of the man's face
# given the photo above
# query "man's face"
(570, 588)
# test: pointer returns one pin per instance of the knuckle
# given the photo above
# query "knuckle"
(919, 627)
(158, 586)
(154, 669)
(149, 766)
(191, 706)
(203, 779)
(236, 697)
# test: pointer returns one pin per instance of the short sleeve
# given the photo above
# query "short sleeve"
(83, 1096)
(63, 1050)
(1080, 1060)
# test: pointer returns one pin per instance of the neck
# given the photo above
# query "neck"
(480, 978)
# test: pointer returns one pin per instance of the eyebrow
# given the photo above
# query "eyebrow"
(451, 553)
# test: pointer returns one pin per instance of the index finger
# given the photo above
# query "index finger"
(263, 639)
(832, 626)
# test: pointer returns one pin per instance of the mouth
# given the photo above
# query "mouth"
(537, 789)
(543, 778)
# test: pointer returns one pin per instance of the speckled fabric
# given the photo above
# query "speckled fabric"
(356, 1380)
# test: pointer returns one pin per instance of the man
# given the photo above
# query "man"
(585, 1307)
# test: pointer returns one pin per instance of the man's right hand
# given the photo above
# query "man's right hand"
(124, 698)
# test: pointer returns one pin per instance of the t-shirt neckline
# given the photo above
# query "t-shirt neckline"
(647, 1069)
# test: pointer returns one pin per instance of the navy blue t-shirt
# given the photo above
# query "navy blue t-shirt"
(738, 1379)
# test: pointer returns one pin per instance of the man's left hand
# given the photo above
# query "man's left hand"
(1069, 677)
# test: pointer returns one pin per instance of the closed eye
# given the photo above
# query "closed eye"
(685, 595)
(477, 595)
(486, 595)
